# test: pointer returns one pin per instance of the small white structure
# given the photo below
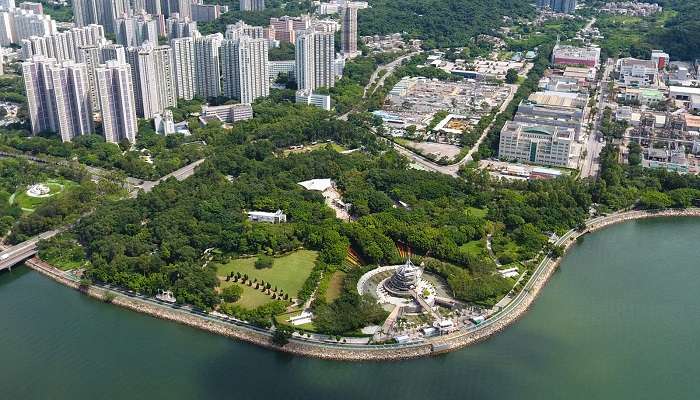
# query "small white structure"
(318, 185)
(429, 331)
(165, 124)
(445, 325)
(166, 296)
(301, 319)
(509, 273)
(276, 217)
(402, 339)
(38, 190)
(322, 101)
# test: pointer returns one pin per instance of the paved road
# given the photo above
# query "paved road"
(389, 68)
(181, 174)
(591, 165)
(18, 253)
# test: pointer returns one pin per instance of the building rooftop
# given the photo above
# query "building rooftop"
(320, 185)
(630, 62)
(684, 90)
(692, 121)
(557, 99)
(577, 52)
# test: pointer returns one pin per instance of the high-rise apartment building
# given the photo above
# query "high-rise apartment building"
(18, 24)
(113, 52)
(165, 77)
(153, 7)
(207, 12)
(37, 8)
(349, 30)
(245, 68)
(182, 7)
(91, 56)
(63, 45)
(137, 30)
(315, 60)
(58, 97)
(117, 103)
(102, 12)
(178, 27)
(285, 28)
(562, 6)
(252, 5)
(152, 76)
(183, 65)
(206, 65)
(6, 5)
(240, 29)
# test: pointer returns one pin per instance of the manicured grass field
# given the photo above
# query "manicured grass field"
(288, 272)
(250, 298)
(477, 212)
(475, 247)
(28, 203)
(335, 286)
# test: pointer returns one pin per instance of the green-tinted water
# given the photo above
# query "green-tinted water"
(620, 320)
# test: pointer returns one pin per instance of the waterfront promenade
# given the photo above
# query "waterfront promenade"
(237, 329)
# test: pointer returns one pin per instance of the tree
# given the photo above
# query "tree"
(232, 293)
(282, 335)
(511, 76)
(654, 200)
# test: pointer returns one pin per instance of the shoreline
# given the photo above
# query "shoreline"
(342, 352)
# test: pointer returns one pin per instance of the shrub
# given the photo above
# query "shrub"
(264, 261)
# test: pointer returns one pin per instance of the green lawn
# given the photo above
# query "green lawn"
(477, 212)
(475, 247)
(288, 272)
(335, 286)
(28, 203)
(250, 298)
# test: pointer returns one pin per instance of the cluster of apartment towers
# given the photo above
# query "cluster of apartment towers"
(76, 77)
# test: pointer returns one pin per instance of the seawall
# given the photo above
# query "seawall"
(336, 351)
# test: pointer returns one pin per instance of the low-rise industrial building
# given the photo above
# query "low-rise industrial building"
(633, 72)
(571, 55)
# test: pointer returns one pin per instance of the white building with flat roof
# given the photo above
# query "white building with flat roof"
(545, 145)
(633, 72)
(282, 67)
(317, 100)
(227, 113)
(277, 217)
